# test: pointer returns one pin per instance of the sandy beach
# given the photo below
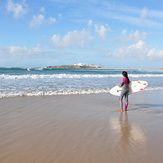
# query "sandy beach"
(82, 129)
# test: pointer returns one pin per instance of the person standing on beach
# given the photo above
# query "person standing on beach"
(125, 90)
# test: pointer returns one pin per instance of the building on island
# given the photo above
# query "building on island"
(79, 64)
(82, 64)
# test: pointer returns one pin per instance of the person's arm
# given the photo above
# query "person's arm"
(122, 82)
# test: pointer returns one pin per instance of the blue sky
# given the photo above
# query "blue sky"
(115, 34)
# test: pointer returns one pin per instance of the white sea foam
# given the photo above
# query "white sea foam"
(153, 88)
(145, 75)
(50, 93)
(60, 76)
(67, 92)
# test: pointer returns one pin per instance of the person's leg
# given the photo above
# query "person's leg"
(121, 105)
(121, 101)
(126, 101)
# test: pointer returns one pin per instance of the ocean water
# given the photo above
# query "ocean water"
(44, 81)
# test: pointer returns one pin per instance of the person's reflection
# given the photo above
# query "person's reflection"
(125, 129)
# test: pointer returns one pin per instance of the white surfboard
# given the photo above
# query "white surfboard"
(135, 86)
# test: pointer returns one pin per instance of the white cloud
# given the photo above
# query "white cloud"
(155, 54)
(42, 9)
(144, 13)
(37, 20)
(118, 11)
(56, 41)
(38, 45)
(139, 50)
(129, 14)
(14, 51)
(136, 36)
(72, 39)
(102, 31)
(51, 20)
(19, 51)
(19, 10)
(124, 32)
(90, 23)
(11, 50)
(131, 37)
(35, 52)
(60, 15)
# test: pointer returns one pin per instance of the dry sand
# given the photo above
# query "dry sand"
(82, 129)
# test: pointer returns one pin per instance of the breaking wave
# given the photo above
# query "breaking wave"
(50, 93)
(67, 92)
(59, 76)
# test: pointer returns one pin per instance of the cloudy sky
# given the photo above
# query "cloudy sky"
(111, 33)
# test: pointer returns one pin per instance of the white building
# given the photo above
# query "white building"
(79, 64)
(82, 64)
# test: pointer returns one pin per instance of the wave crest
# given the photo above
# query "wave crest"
(66, 92)
(43, 76)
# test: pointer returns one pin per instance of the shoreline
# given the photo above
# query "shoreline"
(69, 93)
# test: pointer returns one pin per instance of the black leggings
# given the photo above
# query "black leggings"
(124, 93)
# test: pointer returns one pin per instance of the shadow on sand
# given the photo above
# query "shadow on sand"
(146, 106)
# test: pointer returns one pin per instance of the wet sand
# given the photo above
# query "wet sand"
(82, 129)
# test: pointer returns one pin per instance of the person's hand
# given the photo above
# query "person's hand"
(118, 85)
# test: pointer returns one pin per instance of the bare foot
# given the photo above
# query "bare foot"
(120, 111)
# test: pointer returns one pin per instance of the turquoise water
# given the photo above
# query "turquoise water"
(44, 81)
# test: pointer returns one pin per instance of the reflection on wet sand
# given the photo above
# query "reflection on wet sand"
(130, 135)
(125, 130)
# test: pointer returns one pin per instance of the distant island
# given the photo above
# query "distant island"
(78, 66)
(88, 66)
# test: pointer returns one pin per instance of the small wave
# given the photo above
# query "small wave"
(67, 92)
(22, 68)
(145, 75)
(43, 76)
(50, 93)
(153, 88)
